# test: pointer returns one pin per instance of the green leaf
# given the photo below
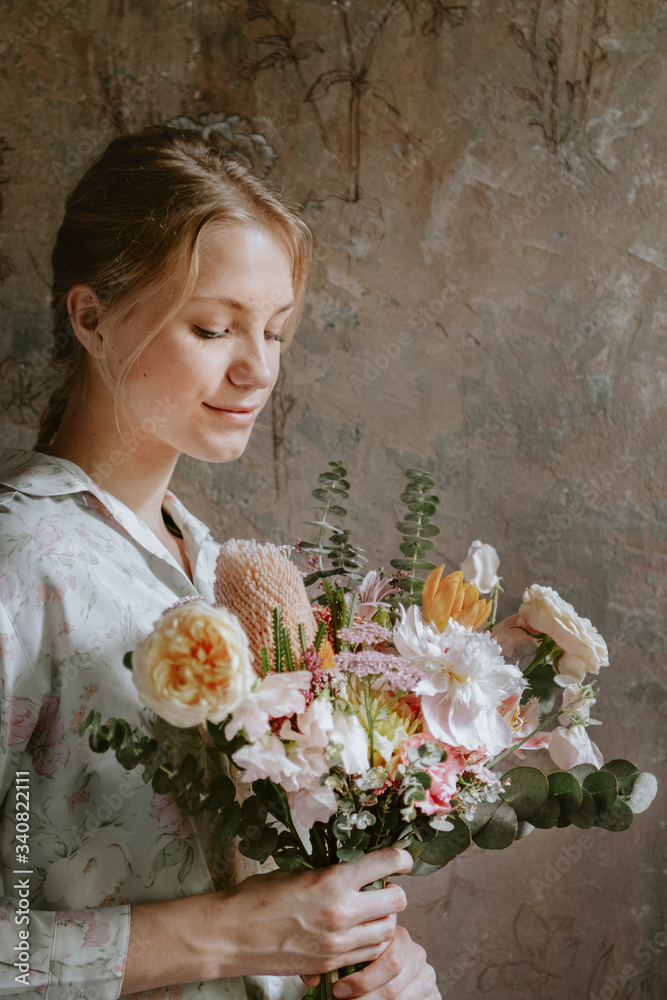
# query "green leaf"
(444, 846)
(528, 790)
(220, 792)
(624, 772)
(349, 854)
(127, 659)
(289, 861)
(548, 813)
(501, 829)
(259, 847)
(119, 732)
(225, 825)
(567, 790)
(616, 819)
(603, 788)
(581, 771)
(524, 829)
(586, 814)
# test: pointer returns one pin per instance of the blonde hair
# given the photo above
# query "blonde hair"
(133, 224)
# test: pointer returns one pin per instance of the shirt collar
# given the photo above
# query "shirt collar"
(40, 475)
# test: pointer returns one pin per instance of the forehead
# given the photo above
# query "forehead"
(250, 265)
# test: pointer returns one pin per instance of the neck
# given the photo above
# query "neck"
(135, 469)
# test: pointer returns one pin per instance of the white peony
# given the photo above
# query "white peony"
(480, 566)
(573, 746)
(544, 610)
(466, 681)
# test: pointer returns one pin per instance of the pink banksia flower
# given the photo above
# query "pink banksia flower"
(251, 580)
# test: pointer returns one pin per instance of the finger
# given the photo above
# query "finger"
(368, 935)
(379, 903)
(377, 864)
(361, 955)
(404, 986)
(311, 980)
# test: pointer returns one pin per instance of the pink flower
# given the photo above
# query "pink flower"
(52, 539)
(46, 744)
(19, 719)
(444, 776)
(371, 591)
(170, 816)
(7, 586)
(6, 649)
(96, 931)
(399, 673)
(362, 631)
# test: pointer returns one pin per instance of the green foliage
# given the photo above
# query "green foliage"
(417, 530)
(343, 557)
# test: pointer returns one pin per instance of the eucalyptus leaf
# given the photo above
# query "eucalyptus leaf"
(527, 792)
(586, 814)
(260, 846)
(644, 791)
(567, 790)
(603, 788)
(500, 831)
(547, 815)
(445, 846)
(616, 819)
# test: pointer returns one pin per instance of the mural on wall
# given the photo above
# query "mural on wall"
(563, 42)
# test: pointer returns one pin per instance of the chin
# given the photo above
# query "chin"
(222, 451)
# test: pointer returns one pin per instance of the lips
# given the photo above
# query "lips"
(229, 409)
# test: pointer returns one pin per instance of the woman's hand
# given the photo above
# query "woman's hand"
(302, 923)
(281, 923)
(400, 973)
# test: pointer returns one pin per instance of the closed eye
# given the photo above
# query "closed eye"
(213, 335)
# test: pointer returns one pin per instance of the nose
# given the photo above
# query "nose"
(255, 361)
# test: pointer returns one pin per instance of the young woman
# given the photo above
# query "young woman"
(178, 280)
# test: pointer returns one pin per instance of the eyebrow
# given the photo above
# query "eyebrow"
(225, 300)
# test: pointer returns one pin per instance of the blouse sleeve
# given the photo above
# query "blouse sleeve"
(65, 954)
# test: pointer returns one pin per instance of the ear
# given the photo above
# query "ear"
(85, 312)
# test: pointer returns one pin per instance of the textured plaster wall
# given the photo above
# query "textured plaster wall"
(486, 182)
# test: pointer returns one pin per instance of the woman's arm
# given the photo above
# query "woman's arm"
(280, 923)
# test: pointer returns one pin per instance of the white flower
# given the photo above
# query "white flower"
(275, 696)
(350, 732)
(466, 681)
(313, 804)
(266, 758)
(544, 610)
(573, 746)
(480, 566)
(314, 724)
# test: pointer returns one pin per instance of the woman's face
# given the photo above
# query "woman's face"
(220, 353)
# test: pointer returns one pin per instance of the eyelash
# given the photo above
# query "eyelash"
(210, 335)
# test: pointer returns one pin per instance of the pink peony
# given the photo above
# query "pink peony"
(20, 720)
(52, 539)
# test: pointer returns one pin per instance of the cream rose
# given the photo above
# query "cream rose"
(195, 665)
(544, 610)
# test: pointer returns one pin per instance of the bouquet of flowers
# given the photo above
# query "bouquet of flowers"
(357, 710)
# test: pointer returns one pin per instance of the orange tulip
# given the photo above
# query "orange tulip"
(452, 597)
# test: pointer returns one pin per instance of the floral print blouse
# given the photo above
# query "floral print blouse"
(82, 580)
